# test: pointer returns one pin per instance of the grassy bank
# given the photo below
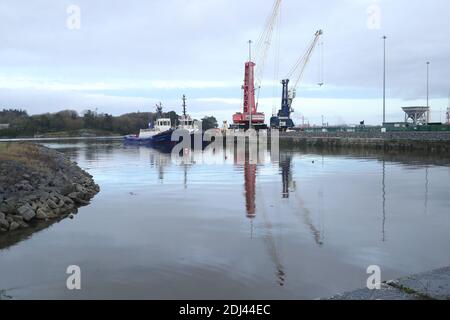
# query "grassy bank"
(27, 155)
(84, 133)
(79, 133)
(24, 153)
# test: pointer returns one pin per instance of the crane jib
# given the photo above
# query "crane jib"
(250, 116)
(283, 119)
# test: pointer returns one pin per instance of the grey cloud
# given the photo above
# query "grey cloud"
(198, 40)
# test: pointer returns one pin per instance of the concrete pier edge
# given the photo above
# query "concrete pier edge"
(431, 285)
(429, 142)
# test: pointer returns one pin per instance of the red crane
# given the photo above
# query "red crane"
(250, 117)
(250, 113)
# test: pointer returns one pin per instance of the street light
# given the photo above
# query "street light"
(250, 59)
(428, 84)
(384, 79)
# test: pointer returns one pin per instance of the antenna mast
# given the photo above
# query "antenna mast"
(184, 105)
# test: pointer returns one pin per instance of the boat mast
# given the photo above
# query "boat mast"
(159, 110)
(184, 105)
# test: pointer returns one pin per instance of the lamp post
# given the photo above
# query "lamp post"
(384, 80)
(428, 83)
(250, 123)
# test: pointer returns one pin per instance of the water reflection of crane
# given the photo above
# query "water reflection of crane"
(250, 170)
(286, 174)
(285, 164)
(307, 220)
(287, 181)
(250, 191)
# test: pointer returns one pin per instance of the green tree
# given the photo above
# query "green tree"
(209, 123)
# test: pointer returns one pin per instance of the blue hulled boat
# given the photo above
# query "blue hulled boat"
(158, 133)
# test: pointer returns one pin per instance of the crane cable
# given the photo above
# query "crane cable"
(264, 41)
(276, 63)
(303, 61)
(321, 65)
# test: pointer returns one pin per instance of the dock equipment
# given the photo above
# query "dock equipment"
(448, 108)
(250, 117)
(282, 120)
(448, 115)
(418, 115)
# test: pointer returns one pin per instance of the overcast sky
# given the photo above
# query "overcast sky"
(128, 55)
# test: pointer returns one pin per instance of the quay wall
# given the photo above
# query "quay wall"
(433, 142)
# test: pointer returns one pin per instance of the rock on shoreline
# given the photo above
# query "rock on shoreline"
(431, 285)
(38, 183)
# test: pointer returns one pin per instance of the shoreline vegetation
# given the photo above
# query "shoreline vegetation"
(38, 185)
(16, 123)
(68, 123)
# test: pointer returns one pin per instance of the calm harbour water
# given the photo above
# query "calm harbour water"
(307, 226)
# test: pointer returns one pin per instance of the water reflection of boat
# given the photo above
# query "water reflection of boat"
(159, 160)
